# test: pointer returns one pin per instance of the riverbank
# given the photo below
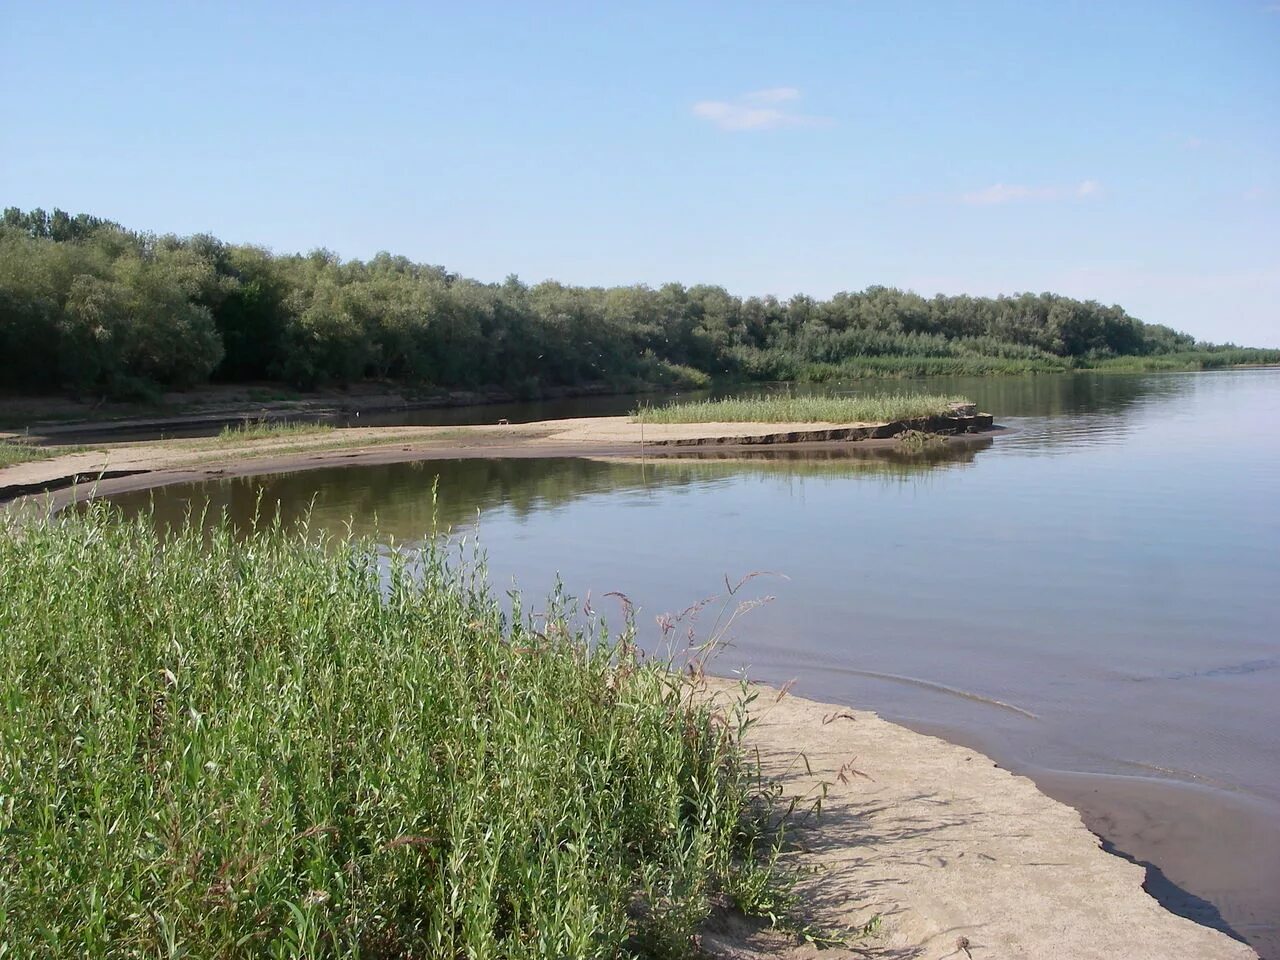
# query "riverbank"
(117, 467)
(943, 846)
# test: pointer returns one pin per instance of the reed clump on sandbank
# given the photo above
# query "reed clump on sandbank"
(805, 409)
(14, 452)
(271, 429)
(274, 747)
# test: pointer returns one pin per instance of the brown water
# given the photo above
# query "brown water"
(1088, 596)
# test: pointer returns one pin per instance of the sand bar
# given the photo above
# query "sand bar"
(157, 462)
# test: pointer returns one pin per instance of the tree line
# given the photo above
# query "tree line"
(89, 306)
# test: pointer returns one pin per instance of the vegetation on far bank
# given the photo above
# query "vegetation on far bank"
(99, 310)
(806, 409)
(212, 746)
(961, 364)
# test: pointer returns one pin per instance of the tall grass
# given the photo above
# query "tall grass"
(213, 747)
(13, 453)
(808, 409)
(268, 429)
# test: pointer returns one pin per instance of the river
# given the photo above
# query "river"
(1088, 596)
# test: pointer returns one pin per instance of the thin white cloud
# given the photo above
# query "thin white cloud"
(1002, 193)
(757, 110)
(1192, 143)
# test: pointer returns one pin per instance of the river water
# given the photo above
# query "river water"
(1088, 595)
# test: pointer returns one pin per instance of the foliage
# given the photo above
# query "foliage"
(809, 409)
(265, 747)
(97, 309)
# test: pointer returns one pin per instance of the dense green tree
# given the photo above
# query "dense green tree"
(89, 306)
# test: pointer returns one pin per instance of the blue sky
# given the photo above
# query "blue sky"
(1127, 152)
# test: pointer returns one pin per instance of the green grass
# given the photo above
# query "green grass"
(264, 747)
(14, 452)
(270, 430)
(884, 409)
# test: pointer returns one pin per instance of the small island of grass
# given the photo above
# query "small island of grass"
(887, 409)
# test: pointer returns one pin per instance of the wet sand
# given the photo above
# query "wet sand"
(950, 851)
(1191, 830)
(1187, 828)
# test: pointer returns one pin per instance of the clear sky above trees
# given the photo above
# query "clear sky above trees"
(1122, 152)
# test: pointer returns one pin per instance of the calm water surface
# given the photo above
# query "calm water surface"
(1089, 596)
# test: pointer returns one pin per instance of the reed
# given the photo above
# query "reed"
(285, 746)
(12, 453)
(270, 429)
(805, 409)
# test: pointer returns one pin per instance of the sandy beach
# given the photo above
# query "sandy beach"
(954, 854)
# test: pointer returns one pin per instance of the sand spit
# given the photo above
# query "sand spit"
(952, 852)
(157, 462)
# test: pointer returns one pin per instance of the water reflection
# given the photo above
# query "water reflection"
(1039, 395)
(409, 500)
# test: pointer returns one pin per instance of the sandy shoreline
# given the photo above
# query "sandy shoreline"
(942, 844)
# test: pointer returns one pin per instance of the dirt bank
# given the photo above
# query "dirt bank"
(942, 844)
